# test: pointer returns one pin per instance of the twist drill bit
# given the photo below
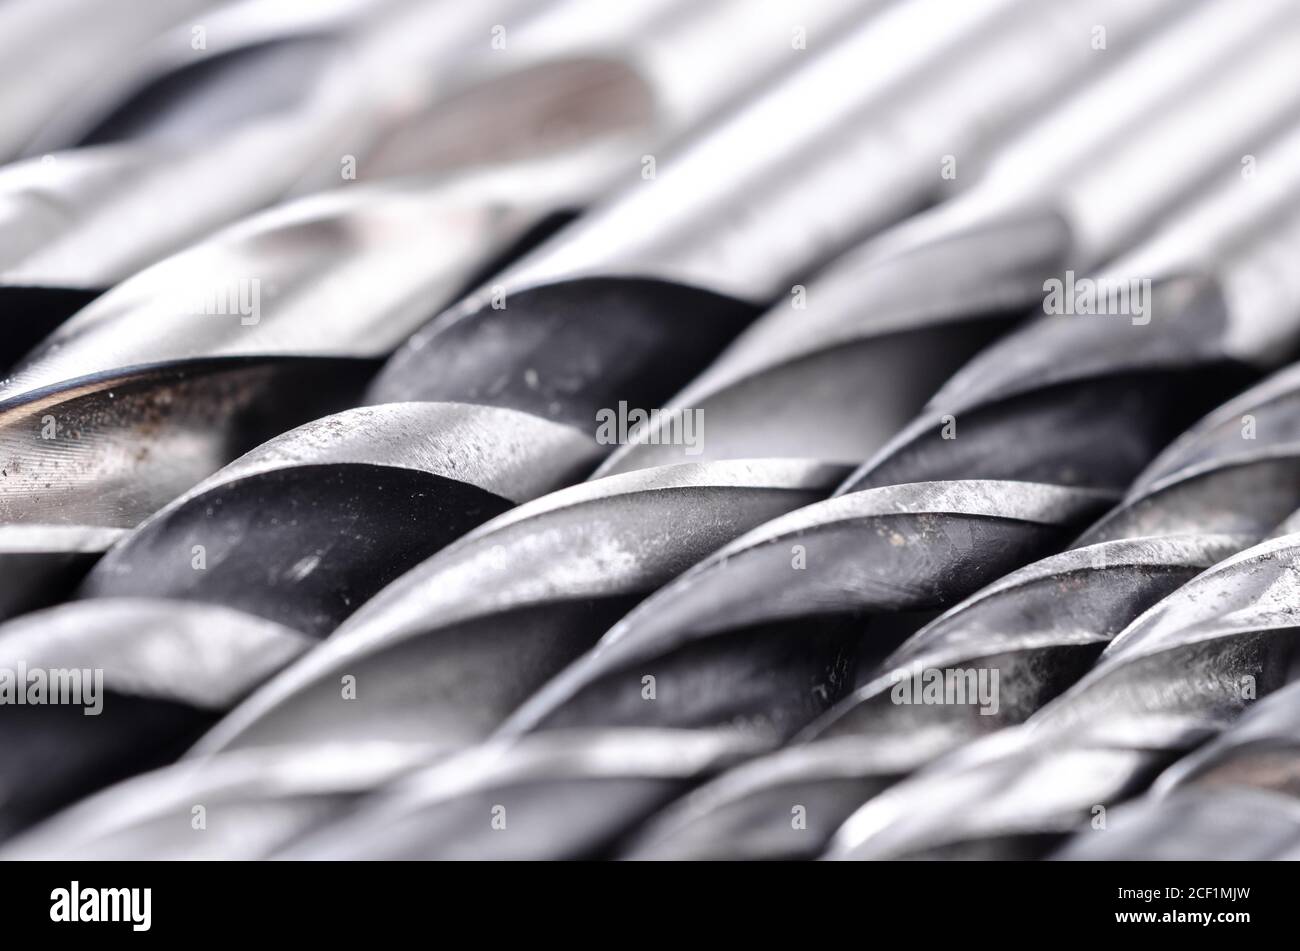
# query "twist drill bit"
(554, 795)
(561, 795)
(1234, 798)
(553, 755)
(41, 565)
(1035, 627)
(750, 638)
(1236, 469)
(306, 527)
(1235, 823)
(459, 642)
(377, 91)
(889, 322)
(150, 675)
(258, 800)
(399, 628)
(1178, 674)
(79, 219)
(714, 651)
(982, 526)
(396, 629)
(277, 319)
(1221, 308)
(1039, 627)
(725, 227)
(58, 50)
(658, 369)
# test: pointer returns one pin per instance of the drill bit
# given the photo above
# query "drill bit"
(133, 154)
(1210, 494)
(462, 640)
(317, 97)
(1220, 309)
(308, 526)
(561, 795)
(156, 675)
(560, 774)
(889, 322)
(59, 51)
(711, 651)
(1039, 627)
(389, 636)
(734, 218)
(1234, 798)
(111, 419)
(1235, 469)
(1178, 674)
(763, 634)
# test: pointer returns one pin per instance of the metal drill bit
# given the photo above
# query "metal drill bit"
(54, 51)
(547, 381)
(291, 708)
(156, 675)
(1235, 823)
(1178, 674)
(1035, 627)
(1234, 798)
(988, 530)
(890, 321)
(1039, 627)
(394, 88)
(558, 774)
(560, 795)
(763, 635)
(459, 642)
(1236, 469)
(726, 226)
(387, 639)
(151, 176)
(41, 564)
(1092, 398)
(303, 529)
(313, 291)
(257, 801)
